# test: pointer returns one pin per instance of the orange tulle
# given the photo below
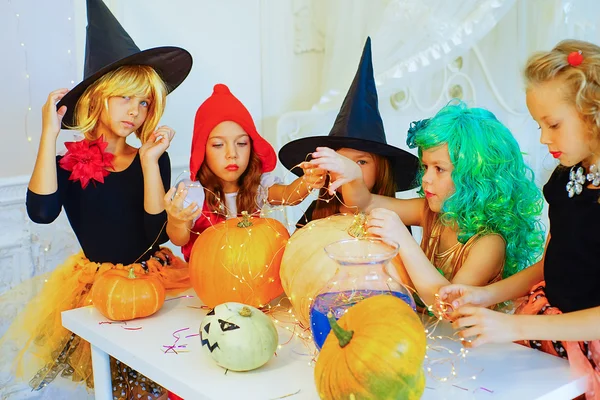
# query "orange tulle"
(41, 349)
(584, 357)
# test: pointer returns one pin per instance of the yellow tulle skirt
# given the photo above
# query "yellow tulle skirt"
(43, 348)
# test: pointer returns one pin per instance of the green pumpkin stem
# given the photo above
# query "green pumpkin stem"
(131, 274)
(245, 222)
(343, 335)
(358, 229)
(245, 312)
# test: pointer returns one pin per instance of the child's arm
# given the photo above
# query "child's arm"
(483, 263)
(507, 289)
(487, 326)
(150, 152)
(43, 199)
(295, 192)
(347, 176)
(179, 219)
(43, 179)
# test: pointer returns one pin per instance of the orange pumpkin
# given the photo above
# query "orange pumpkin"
(120, 295)
(238, 260)
(306, 268)
(375, 351)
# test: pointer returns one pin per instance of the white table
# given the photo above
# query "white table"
(509, 370)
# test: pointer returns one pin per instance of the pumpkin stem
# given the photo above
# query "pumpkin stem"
(358, 229)
(131, 274)
(343, 335)
(245, 222)
(245, 312)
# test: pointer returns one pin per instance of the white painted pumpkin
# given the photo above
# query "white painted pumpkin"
(238, 337)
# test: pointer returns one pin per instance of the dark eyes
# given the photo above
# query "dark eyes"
(227, 326)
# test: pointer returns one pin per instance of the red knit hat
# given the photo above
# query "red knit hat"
(223, 106)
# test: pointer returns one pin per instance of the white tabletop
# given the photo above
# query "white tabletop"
(507, 371)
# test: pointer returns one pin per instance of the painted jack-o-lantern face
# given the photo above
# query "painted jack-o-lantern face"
(238, 337)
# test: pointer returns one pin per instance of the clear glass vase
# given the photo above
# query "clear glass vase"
(361, 274)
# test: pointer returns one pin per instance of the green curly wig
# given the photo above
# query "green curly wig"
(495, 189)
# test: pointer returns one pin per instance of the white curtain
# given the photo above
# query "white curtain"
(408, 36)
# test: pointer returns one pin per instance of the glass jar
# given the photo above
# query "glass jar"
(361, 274)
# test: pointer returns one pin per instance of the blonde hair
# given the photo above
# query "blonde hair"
(129, 80)
(385, 185)
(581, 82)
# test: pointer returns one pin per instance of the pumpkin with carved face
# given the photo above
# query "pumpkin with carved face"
(238, 337)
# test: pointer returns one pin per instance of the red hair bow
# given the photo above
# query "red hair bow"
(575, 58)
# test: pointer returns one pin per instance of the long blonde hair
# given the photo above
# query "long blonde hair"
(581, 82)
(129, 80)
(384, 185)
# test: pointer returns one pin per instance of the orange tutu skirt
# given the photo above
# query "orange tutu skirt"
(45, 349)
(584, 357)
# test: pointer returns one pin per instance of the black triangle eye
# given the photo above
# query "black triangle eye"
(227, 326)
(206, 327)
(211, 312)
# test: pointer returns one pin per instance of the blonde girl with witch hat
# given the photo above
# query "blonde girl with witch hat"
(112, 195)
(562, 313)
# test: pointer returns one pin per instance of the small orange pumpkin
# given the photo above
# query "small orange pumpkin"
(238, 260)
(120, 295)
(375, 351)
(306, 268)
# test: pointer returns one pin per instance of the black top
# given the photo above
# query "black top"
(572, 266)
(108, 218)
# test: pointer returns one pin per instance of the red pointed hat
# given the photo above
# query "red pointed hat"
(223, 106)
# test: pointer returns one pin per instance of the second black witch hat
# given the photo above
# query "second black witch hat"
(358, 126)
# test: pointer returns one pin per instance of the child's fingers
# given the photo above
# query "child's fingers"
(189, 210)
(336, 184)
(463, 322)
(196, 214)
(472, 331)
(169, 196)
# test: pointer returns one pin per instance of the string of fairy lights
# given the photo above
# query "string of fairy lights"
(20, 11)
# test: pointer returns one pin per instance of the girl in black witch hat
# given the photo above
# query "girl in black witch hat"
(112, 194)
(357, 134)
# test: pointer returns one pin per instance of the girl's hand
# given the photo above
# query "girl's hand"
(341, 169)
(386, 224)
(486, 326)
(51, 117)
(313, 178)
(459, 295)
(174, 206)
(158, 142)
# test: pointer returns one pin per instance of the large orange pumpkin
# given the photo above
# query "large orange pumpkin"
(375, 351)
(238, 260)
(306, 268)
(122, 296)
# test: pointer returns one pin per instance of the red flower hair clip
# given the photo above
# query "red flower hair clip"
(575, 58)
(87, 161)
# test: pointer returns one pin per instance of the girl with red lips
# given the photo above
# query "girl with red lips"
(230, 171)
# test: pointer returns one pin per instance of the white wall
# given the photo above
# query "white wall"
(257, 47)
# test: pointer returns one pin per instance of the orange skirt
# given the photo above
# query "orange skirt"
(584, 357)
(44, 348)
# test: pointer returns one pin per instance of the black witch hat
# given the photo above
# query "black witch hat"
(108, 47)
(358, 126)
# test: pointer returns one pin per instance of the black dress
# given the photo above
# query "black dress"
(108, 218)
(572, 264)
